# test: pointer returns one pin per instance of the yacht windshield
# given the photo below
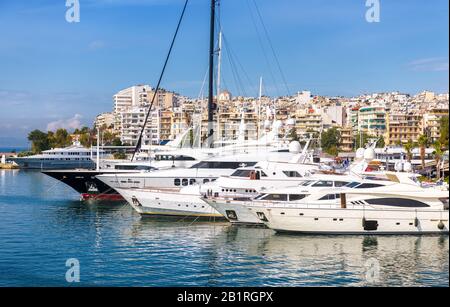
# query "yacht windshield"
(222, 165)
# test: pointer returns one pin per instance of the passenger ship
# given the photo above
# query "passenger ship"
(74, 156)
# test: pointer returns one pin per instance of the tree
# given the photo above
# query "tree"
(330, 141)
(422, 142)
(85, 140)
(443, 139)
(120, 156)
(116, 142)
(293, 136)
(438, 153)
(39, 141)
(409, 146)
(62, 138)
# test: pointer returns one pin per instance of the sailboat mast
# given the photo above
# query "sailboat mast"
(211, 75)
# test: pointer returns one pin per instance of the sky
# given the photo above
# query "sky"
(58, 74)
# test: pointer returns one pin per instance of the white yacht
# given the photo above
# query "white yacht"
(176, 192)
(72, 157)
(233, 201)
(394, 207)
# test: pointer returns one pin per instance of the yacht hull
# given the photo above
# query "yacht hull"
(169, 204)
(236, 213)
(354, 221)
(86, 184)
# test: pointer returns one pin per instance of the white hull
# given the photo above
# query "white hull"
(234, 212)
(350, 221)
(167, 203)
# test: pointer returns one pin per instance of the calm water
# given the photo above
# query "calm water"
(42, 224)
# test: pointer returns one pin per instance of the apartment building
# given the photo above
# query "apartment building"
(131, 123)
(372, 120)
(347, 139)
(432, 123)
(401, 127)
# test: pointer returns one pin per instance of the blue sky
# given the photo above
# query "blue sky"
(54, 72)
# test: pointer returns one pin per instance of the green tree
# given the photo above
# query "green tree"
(293, 136)
(438, 153)
(409, 146)
(443, 139)
(62, 138)
(330, 141)
(422, 142)
(85, 140)
(116, 142)
(120, 156)
(39, 141)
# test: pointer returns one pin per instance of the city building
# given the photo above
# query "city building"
(372, 120)
(400, 128)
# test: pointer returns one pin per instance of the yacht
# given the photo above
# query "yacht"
(394, 207)
(84, 181)
(74, 156)
(232, 195)
(176, 192)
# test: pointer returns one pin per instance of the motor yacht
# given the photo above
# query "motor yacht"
(394, 207)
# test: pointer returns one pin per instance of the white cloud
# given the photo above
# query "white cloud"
(69, 124)
(429, 64)
(95, 45)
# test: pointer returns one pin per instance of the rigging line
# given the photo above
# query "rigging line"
(236, 69)
(269, 67)
(139, 142)
(239, 63)
(272, 47)
(233, 73)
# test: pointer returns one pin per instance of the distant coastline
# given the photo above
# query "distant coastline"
(13, 148)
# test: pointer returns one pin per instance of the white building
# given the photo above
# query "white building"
(131, 125)
(303, 98)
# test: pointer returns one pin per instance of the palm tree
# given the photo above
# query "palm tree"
(423, 142)
(438, 153)
(409, 146)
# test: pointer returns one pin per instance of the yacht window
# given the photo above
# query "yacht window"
(205, 180)
(323, 184)
(185, 182)
(192, 181)
(306, 183)
(276, 197)
(292, 174)
(294, 197)
(259, 197)
(369, 186)
(331, 197)
(340, 184)
(221, 165)
(242, 173)
(397, 202)
(352, 184)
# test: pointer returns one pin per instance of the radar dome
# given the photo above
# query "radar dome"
(398, 166)
(360, 153)
(407, 167)
(369, 154)
(295, 147)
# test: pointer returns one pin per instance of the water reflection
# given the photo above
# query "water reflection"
(43, 225)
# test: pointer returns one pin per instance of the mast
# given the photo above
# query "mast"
(259, 107)
(219, 71)
(211, 75)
